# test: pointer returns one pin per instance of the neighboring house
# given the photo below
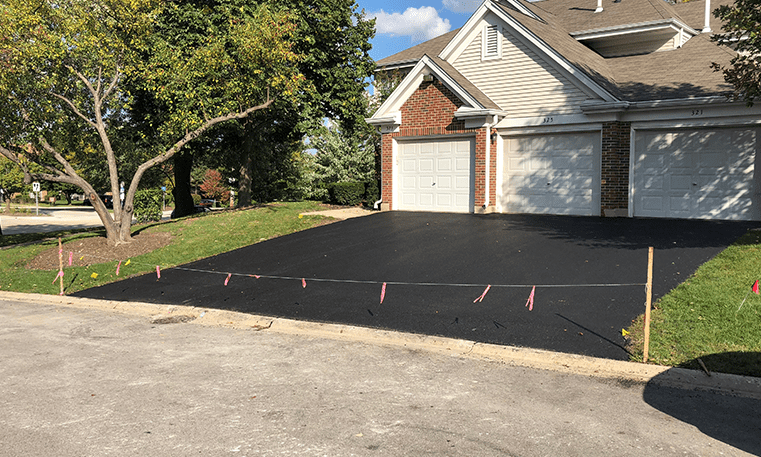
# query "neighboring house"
(571, 107)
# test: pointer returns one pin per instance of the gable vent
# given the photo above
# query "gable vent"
(491, 43)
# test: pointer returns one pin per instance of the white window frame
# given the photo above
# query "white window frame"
(485, 55)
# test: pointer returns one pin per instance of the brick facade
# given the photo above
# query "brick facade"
(430, 112)
(614, 172)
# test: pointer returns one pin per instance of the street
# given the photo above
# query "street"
(94, 382)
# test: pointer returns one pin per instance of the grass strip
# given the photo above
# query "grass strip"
(700, 319)
(194, 238)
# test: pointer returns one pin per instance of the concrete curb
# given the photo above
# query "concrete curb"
(743, 386)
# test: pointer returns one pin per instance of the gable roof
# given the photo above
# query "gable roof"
(680, 73)
(410, 56)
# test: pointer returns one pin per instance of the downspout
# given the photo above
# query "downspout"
(488, 164)
(599, 6)
(375, 205)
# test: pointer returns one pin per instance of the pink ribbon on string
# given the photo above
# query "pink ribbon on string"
(481, 297)
(158, 272)
(228, 278)
(117, 268)
(59, 275)
(303, 283)
(254, 276)
(530, 301)
(71, 257)
(383, 292)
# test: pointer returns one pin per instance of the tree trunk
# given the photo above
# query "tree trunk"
(244, 185)
(183, 201)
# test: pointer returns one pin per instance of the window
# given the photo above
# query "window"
(491, 46)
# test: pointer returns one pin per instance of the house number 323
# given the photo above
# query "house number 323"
(697, 112)
(548, 120)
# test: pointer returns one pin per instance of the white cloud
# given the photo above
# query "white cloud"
(462, 6)
(420, 24)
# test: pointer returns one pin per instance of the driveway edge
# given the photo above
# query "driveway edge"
(621, 371)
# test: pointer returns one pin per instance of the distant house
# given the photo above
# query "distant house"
(571, 107)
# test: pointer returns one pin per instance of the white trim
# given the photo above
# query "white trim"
(388, 112)
(627, 29)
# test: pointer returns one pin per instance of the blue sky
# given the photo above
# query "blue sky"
(401, 24)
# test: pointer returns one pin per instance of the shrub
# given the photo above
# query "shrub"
(347, 193)
(147, 205)
(372, 192)
(196, 199)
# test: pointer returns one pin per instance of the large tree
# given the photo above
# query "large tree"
(741, 30)
(77, 65)
(333, 38)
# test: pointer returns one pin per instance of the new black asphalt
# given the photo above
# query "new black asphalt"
(589, 274)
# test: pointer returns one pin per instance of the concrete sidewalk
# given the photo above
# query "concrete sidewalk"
(107, 378)
(54, 220)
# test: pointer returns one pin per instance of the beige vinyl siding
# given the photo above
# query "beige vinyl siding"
(520, 82)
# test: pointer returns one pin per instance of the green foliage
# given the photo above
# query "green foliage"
(148, 204)
(741, 30)
(347, 193)
(196, 199)
(342, 158)
(372, 192)
(125, 71)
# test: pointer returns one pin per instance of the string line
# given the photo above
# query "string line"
(395, 283)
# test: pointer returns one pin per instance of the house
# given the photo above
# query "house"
(571, 107)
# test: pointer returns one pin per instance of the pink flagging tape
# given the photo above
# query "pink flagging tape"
(530, 301)
(481, 297)
(158, 272)
(227, 279)
(254, 276)
(303, 283)
(71, 257)
(383, 292)
(59, 275)
(117, 268)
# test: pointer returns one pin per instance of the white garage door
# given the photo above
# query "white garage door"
(552, 174)
(705, 174)
(436, 175)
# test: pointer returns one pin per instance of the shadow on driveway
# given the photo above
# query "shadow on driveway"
(450, 250)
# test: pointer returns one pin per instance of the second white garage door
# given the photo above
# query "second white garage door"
(552, 174)
(435, 175)
(698, 173)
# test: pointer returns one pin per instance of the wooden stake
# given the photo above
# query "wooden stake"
(648, 301)
(60, 261)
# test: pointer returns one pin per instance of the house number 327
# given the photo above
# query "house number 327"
(697, 112)
(548, 120)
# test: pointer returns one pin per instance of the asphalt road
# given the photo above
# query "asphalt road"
(436, 265)
(78, 383)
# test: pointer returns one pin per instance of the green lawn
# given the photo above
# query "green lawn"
(700, 317)
(195, 237)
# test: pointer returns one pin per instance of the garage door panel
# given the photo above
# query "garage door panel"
(441, 178)
(409, 182)
(554, 173)
(654, 204)
(444, 183)
(706, 173)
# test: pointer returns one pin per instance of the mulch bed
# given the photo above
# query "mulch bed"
(89, 251)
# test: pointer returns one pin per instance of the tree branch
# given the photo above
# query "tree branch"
(76, 110)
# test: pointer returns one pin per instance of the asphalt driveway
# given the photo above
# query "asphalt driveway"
(436, 257)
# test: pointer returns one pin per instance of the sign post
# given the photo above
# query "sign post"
(36, 189)
(163, 202)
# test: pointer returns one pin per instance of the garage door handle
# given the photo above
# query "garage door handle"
(694, 184)
(433, 184)
(548, 184)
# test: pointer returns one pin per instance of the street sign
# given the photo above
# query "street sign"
(36, 186)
